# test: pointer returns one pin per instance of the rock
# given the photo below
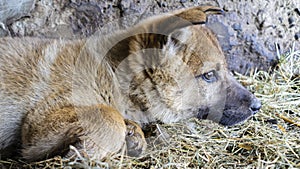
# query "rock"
(291, 20)
(124, 4)
(237, 27)
(297, 10)
(247, 32)
(3, 30)
(297, 36)
(11, 10)
(223, 34)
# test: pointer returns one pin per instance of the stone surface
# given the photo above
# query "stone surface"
(12, 10)
(249, 32)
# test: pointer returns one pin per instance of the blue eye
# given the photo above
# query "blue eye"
(209, 77)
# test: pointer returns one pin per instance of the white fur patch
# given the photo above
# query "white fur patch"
(44, 67)
(50, 55)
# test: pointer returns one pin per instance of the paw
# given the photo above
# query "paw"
(135, 140)
(198, 15)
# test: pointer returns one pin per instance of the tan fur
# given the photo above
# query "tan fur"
(56, 93)
(135, 139)
(67, 126)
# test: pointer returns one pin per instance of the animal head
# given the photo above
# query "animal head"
(187, 78)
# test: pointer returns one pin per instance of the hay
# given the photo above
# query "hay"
(268, 140)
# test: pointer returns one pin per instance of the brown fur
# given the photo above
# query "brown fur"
(56, 93)
(135, 139)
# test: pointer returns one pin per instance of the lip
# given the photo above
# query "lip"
(229, 117)
(233, 117)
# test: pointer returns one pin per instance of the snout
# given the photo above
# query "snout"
(237, 105)
(255, 105)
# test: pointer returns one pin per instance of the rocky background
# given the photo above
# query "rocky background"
(251, 32)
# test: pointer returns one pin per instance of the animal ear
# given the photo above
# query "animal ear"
(167, 23)
(154, 31)
(198, 15)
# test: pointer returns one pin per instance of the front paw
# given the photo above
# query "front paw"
(135, 139)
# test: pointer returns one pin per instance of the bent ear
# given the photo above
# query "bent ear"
(167, 23)
(154, 31)
(198, 15)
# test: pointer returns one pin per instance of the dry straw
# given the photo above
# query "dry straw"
(271, 139)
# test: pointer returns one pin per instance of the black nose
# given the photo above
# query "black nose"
(255, 105)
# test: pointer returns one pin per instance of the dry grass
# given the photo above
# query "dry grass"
(271, 139)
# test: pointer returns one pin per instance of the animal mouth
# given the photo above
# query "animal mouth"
(231, 117)
(228, 117)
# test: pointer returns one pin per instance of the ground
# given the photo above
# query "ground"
(248, 33)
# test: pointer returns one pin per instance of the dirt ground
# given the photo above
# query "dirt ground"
(249, 32)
